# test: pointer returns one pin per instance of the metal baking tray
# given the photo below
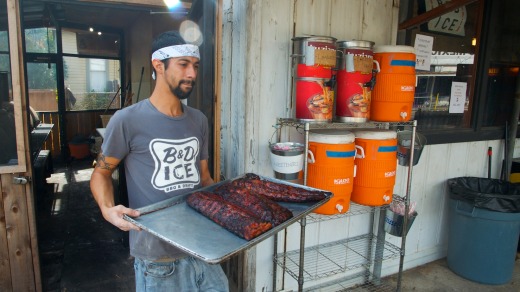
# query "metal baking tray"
(177, 223)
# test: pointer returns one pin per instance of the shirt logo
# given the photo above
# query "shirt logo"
(175, 164)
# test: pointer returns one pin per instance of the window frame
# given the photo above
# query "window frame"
(121, 58)
(17, 77)
(476, 131)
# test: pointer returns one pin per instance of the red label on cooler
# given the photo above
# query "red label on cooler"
(314, 99)
(354, 95)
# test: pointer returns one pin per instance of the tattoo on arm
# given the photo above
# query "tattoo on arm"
(101, 163)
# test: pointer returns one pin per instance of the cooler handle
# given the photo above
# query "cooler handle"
(372, 81)
(465, 212)
(361, 150)
(311, 159)
(377, 66)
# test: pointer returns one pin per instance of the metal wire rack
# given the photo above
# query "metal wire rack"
(357, 282)
(347, 256)
(328, 259)
(355, 209)
(341, 125)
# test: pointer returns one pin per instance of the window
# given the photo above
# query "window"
(92, 69)
(90, 41)
(92, 84)
(40, 40)
(466, 50)
(97, 73)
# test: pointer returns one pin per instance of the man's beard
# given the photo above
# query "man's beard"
(179, 92)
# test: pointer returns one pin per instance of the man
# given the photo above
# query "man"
(164, 145)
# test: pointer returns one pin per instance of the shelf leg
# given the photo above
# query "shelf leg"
(275, 251)
(406, 207)
(305, 154)
(380, 248)
(303, 223)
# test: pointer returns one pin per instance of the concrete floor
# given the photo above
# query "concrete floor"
(436, 276)
(80, 251)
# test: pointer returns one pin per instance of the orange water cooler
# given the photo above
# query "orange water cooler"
(376, 164)
(394, 90)
(331, 167)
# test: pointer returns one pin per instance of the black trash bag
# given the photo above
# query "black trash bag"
(491, 194)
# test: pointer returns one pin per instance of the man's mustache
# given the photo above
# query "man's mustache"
(188, 82)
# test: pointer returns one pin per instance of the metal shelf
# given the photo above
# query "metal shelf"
(354, 210)
(363, 281)
(336, 257)
(362, 252)
(341, 125)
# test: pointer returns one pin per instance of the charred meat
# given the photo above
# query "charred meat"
(227, 215)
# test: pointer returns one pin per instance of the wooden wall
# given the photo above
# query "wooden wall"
(77, 123)
(19, 262)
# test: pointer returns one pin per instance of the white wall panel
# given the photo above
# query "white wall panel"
(345, 22)
(377, 20)
(312, 17)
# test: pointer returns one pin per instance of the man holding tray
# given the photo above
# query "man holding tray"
(164, 144)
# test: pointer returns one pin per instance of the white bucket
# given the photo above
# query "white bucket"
(287, 159)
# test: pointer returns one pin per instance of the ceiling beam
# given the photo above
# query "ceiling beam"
(435, 12)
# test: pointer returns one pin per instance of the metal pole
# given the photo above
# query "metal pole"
(140, 81)
(380, 247)
(489, 153)
(406, 207)
(303, 223)
(305, 153)
(275, 249)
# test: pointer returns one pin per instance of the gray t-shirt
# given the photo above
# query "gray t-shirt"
(162, 157)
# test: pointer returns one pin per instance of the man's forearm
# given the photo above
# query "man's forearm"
(102, 190)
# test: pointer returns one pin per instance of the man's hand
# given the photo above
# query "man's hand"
(114, 215)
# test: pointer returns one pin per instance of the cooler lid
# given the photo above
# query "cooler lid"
(331, 136)
(355, 44)
(375, 134)
(315, 38)
(394, 49)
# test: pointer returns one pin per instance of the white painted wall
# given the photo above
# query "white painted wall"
(256, 90)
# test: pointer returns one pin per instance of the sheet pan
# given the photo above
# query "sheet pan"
(175, 222)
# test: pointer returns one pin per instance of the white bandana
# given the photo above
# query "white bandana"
(187, 50)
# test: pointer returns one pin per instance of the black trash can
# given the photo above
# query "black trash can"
(484, 219)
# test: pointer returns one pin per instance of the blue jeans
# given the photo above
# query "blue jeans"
(186, 274)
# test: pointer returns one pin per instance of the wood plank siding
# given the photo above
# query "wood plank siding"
(82, 124)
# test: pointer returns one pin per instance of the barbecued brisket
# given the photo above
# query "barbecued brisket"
(227, 215)
(279, 192)
(258, 205)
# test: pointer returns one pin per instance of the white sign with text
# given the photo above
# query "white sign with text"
(458, 97)
(450, 23)
(423, 51)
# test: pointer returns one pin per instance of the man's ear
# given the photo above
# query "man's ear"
(158, 65)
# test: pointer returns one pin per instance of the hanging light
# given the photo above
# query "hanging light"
(171, 3)
(99, 33)
(91, 29)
